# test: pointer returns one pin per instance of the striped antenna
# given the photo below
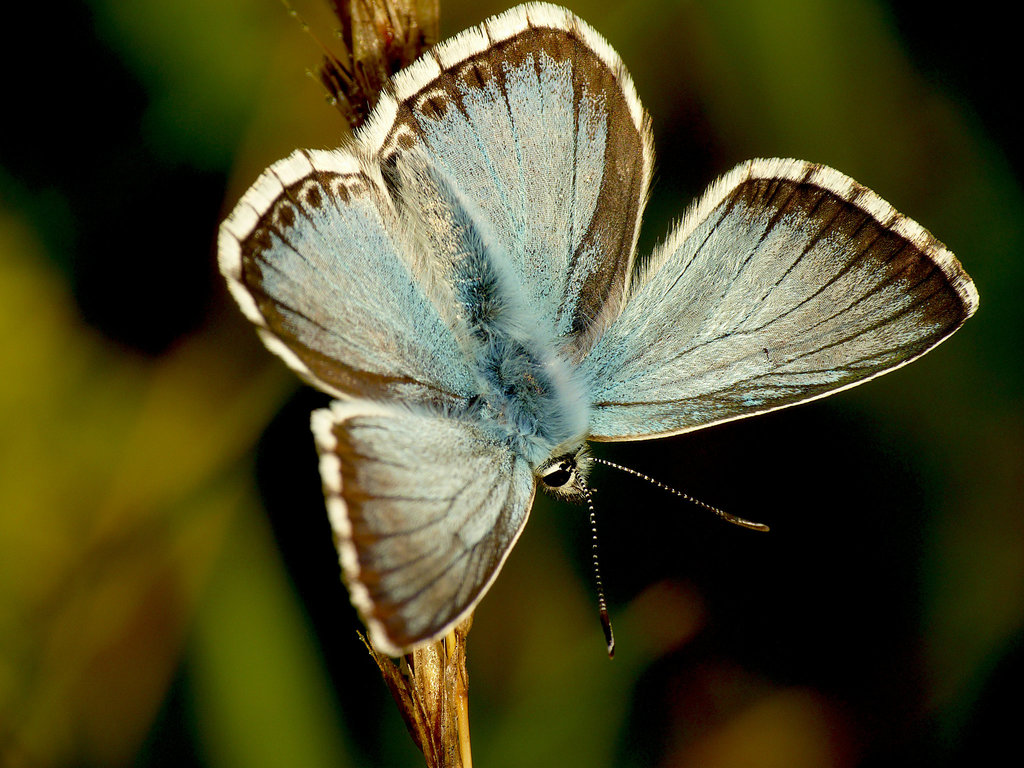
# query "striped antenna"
(602, 604)
(686, 497)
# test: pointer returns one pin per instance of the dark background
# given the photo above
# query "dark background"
(169, 594)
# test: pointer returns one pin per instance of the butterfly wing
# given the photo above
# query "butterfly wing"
(787, 282)
(534, 118)
(420, 540)
(316, 257)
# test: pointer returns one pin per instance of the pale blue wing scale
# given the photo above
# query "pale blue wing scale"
(787, 282)
(420, 541)
(535, 119)
(317, 259)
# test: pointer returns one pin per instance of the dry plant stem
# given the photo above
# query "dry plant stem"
(377, 38)
(431, 688)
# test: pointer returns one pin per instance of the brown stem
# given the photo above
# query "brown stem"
(431, 688)
(377, 38)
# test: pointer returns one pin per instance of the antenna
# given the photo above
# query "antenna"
(602, 604)
(686, 497)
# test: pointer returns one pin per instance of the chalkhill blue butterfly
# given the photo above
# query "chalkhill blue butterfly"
(462, 277)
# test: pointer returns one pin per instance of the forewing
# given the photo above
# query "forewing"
(535, 119)
(787, 282)
(425, 509)
(318, 261)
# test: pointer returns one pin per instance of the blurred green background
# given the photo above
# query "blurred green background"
(169, 594)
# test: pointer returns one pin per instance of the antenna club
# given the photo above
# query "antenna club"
(609, 636)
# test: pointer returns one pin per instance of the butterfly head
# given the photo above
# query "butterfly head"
(565, 473)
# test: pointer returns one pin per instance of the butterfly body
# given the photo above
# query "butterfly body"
(528, 394)
(462, 279)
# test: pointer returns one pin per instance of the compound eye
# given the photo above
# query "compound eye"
(556, 478)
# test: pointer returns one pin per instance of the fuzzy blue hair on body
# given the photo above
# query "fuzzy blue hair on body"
(529, 394)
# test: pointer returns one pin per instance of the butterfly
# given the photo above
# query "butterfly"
(462, 277)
